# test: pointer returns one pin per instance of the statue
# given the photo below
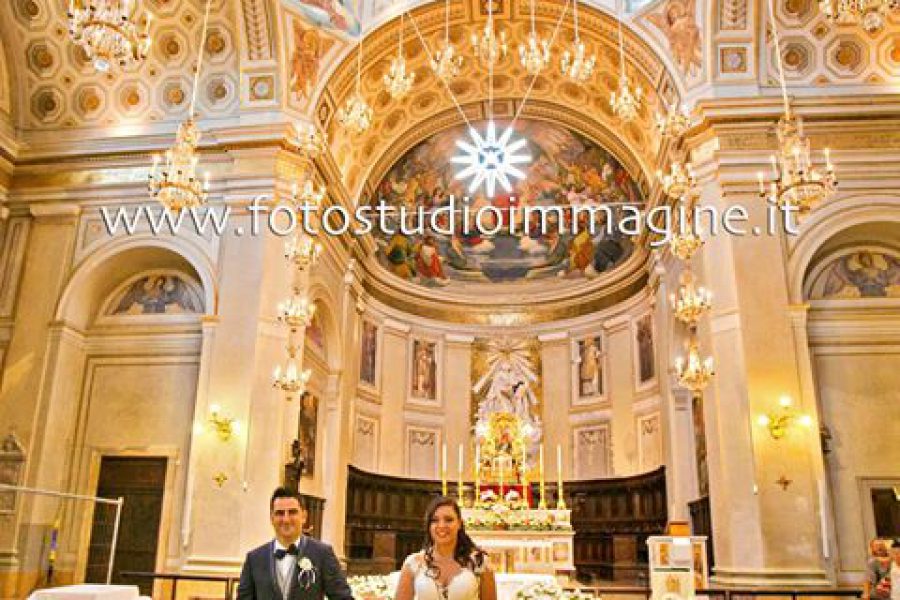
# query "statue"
(294, 469)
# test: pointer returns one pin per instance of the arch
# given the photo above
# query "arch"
(95, 277)
(842, 213)
(320, 294)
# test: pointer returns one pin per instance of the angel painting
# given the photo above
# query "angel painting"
(337, 15)
(305, 60)
(159, 294)
(678, 22)
(863, 274)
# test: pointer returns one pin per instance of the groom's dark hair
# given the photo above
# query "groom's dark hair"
(283, 492)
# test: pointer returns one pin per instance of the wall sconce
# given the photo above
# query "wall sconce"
(779, 422)
(226, 427)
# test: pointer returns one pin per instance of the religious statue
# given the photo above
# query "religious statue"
(294, 469)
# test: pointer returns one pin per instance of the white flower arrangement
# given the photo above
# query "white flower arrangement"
(370, 587)
(547, 591)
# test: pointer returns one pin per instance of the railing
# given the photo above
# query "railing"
(176, 577)
(729, 593)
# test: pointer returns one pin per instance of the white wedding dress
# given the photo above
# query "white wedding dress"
(465, 585)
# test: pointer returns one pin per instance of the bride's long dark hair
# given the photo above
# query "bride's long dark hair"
(466, 553)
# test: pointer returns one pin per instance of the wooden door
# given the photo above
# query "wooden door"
(141, 482)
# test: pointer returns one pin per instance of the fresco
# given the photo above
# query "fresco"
(335, 15)
(861, 274)
(566, 170)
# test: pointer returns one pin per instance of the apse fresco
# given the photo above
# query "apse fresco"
(566, 170)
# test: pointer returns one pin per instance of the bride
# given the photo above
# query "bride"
(450, 566)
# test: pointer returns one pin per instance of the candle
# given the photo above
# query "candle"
(444, 470)
(477, 468)
(543, 503)
(502, 497)
(560, 502)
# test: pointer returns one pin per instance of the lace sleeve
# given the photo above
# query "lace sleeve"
(413, 563)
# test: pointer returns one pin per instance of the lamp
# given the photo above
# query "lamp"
(308, 140)
(108, 32)
(446, 62)
(356, 115)
(224, 426)
(871, 14)
(535, 53)
(777, 423)
(397, 81)
(574, 62)
(674, 123)
(694, 373)
(626, 103)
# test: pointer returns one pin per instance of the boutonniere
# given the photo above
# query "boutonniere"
(306, 572)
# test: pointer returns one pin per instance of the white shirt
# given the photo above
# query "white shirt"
(895, 580)
(287, 563)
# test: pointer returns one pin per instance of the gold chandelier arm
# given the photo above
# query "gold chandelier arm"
(200, 57)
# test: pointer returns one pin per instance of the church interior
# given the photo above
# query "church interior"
(582, 395)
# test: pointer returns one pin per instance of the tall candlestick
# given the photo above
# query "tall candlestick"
(477, 467)
(543, 503)
(560, 502)
(444, 470)
(459, 482)
(502, 497)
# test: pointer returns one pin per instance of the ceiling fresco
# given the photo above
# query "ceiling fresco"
(566, 170)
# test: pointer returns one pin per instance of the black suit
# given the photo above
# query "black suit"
(259, 582)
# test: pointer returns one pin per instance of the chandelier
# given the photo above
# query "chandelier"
(626, 103)
(309, 140)
(574, 63)
(108, 32)
(535, 54)
(356, 115)
(691, 302)
(679, 182)
(796, 181)
(446, 63)
(309, 195)
(685, 244)
(694, 372)
(490, 47)
(297, 311)
(290, 379)
(397, 81)
(302, 251)
(871, 14)
(675, 122)
(175, 184)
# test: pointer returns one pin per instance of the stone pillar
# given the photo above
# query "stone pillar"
(621, 392)
(394, 345)
(33, 352)
(763, 534)
(556, 350)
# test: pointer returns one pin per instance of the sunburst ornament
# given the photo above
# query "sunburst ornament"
(491, 160)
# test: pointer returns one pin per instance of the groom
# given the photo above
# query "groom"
(292, 566)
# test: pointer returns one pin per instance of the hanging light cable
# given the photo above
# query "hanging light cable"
(626, 103)
(175, 184)
(575, 63)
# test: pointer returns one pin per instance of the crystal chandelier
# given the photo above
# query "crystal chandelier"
(309, 140)
(289, 378)
(796, 181)
(694, 373)
(446, 62)
(679, 182)
(675, 122)
(490, 47)
(176, 185)
(397, 81)
(626, 103)
(297, 311)
(574, 63)
(302, 251)
(535, 54)
(308, 195)
(108, 32)
(691, 302)
(356, 115)
(685, 244)
(871, 14)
